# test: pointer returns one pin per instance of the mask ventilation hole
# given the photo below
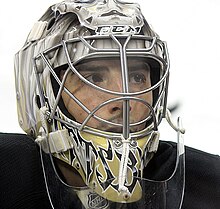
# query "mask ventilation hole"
(51, 23)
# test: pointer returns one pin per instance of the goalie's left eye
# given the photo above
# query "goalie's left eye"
(137, 78)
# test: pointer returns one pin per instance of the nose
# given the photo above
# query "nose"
(116, 83)
(116, 108)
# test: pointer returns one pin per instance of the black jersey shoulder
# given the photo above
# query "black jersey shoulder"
(202, 174)
(202, 180)
(21, 177)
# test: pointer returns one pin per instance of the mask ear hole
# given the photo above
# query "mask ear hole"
(37, 99)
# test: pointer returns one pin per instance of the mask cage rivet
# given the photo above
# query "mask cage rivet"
(133, 143)
(18, 95)
(117, 143)
(126, 196)
(21, 122)
(77, 165)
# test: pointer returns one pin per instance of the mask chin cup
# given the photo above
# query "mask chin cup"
(165, 194)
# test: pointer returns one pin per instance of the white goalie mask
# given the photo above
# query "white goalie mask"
(92, 81)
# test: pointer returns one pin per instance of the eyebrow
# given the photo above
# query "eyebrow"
(93, 67)
(138, 66)
(89, 67)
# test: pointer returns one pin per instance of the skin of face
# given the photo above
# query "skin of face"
(106, 73)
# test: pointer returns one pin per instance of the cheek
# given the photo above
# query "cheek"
(139, 109)
(88, 97)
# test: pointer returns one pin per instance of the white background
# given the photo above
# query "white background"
(191, 30)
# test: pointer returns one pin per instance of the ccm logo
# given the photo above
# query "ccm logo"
(101, 30)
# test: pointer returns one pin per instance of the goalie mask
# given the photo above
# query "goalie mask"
(92, 82)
